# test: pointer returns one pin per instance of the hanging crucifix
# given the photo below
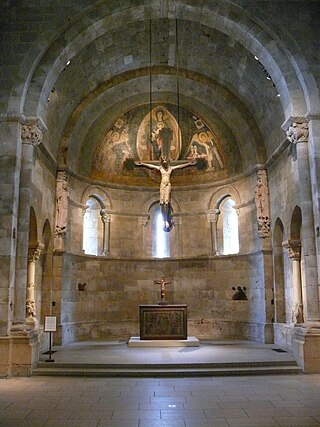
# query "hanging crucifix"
(165, 169)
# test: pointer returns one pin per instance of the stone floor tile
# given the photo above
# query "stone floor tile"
(101, 406)
(286, 403)
(185, 414)
(161, 405)
(161, 423)
(170, 400)
(232, 398)
(224, 413)
(168, 393)
(122, 423)
(5, 404)
(71, 423)
(267, 412)
(131, 415)
(252, 422)
(310, 403)
(14, 422)
(73, 405)
(300, 412)
(199, 404)
(297, 421)
(259, 404)
(91, 415)
(265, 396)
(126, 399)
(207, 423)
(19, 414)
(203, 396)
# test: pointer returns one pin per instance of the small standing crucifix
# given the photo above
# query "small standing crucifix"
(162, 282)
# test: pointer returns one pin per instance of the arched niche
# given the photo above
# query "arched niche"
(279, 276)
(296, 223)
(46, 292)
(33, 228)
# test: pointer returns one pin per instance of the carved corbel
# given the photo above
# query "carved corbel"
(297, 129)
(31, 134)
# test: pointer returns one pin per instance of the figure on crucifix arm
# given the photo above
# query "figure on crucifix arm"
(166, 169)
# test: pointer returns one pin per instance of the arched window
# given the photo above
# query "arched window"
(230, 227)
(160, 238)
(93, 228)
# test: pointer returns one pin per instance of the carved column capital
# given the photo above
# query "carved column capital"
(145, 220)
(294, 248)
(297, 129)
(105, 217)
(213, 215)
(34, 251)
(31, 134)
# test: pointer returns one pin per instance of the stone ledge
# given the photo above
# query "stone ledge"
(189, 342)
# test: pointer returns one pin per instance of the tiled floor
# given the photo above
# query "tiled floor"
(198, 402)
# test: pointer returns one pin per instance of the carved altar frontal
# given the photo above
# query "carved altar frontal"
(163, 322)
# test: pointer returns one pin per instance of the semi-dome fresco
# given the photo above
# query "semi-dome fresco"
(173, 133)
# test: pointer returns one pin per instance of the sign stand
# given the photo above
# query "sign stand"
(50, 325)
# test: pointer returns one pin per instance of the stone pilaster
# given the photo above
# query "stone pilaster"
(262, 203)
(10, 167)
(62, 198)
(314, 159)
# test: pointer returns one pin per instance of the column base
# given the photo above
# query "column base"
(19, 352)
(306, 346)
(32, 322)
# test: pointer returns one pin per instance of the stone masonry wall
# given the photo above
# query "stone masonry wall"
(108, 308)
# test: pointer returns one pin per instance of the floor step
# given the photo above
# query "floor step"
(161, 371)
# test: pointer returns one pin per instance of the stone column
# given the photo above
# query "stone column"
(213, 219)
(35, 250)
(298, 135)
(294, 251)
(31, 137)
(106, 219)
(314, 158)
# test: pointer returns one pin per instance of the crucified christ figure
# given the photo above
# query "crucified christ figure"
(165, 186)
(162, 282)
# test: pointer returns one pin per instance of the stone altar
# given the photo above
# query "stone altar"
(163, 322)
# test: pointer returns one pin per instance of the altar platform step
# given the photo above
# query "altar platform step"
(210, 358)
(193, 370)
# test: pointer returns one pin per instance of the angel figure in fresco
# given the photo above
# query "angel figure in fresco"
(203, 145)
(166, 170)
